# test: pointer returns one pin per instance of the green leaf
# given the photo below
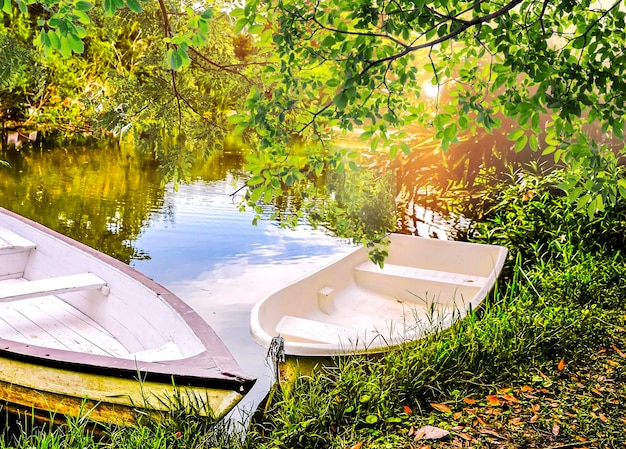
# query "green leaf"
(55, 42)
(174, 59)
(207, 14)
(533, 142)
(65, 47)
(515, 134)
(256, 28)
(76, 44)
(5, 6)
(22, 6)
(371, 419)
(43, 38)
(520, 143)
(109, 7)
(341, 100)
(82, 16)
(240, 25)
(134, 5)
(256, 194)
(82, 5)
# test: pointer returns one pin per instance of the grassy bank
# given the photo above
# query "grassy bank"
(541, 365)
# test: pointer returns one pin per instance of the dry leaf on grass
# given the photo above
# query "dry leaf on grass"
(431, 433)
(441, 407)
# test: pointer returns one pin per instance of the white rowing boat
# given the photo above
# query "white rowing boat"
(81, 332)
(354, 306)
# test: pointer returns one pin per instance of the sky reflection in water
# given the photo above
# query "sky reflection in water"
(210, 255)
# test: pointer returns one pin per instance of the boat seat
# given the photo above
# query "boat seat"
(14, 252)
(51, 286)
(315, 331)
(423, 274)
(11, 241)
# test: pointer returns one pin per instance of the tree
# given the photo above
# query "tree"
(553, 68)
(166, 78)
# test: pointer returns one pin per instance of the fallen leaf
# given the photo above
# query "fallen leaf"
(431, 433)
(509, 398)
(457, 415)
(556, 429)
(469, 401)
(441, 407)
(357, 446)
(596, 391)
(419, 435)
(516, 421)
(620, 353)
(603, 417)
(480, 420)
(493, 400)
(491, 432)
(407, 410)
(527, 389)
(411, 431)
(561, 365)
(535, 408)
(465, 436)
(534, 418)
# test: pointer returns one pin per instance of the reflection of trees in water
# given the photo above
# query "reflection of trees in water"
(99, 196)
(102, 196)
(453, 186)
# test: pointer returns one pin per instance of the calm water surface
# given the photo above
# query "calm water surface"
(192, 239)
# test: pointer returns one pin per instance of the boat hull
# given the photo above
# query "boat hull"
(353, 306)
(84, 334)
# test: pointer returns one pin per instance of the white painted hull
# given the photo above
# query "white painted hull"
(353, 306)
(78, 325)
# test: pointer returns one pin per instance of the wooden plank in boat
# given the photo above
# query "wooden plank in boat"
(50, 286)
(423, 274)
(40, 324)
(10, 240)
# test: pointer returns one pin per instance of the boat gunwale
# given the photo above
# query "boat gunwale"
(184, 371)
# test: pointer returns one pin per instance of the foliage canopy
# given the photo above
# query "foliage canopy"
(549, 75)
(555, 70)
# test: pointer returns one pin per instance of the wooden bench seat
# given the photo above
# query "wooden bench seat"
(423, 274)
(14, 253)
(50, 286)
(11, 241)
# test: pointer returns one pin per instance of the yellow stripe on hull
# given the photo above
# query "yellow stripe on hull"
(56, 391)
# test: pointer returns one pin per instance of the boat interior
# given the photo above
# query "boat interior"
(425, 285)
(68, 311)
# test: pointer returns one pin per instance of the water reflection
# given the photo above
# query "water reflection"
(99, 196)
(192, 239)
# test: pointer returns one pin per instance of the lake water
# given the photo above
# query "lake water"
(211, 256)
(192, 239)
